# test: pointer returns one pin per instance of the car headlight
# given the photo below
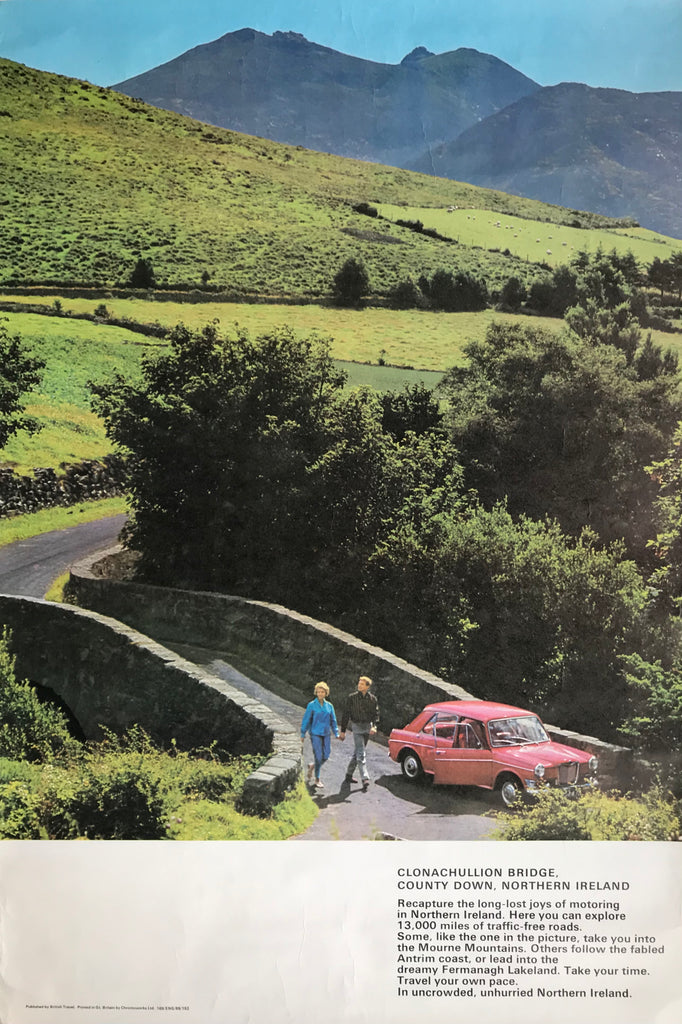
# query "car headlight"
(593, 764)
(539, 771)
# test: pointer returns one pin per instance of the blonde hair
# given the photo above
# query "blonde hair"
(324, 687)
(365, 679)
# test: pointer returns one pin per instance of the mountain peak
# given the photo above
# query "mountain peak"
(418, 53)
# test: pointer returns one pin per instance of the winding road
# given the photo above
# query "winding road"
(28, 567)
(392, 808)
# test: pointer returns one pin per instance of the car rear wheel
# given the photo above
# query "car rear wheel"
(411, 766)
(510, 790)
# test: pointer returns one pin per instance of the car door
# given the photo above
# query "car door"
(466, 760)
(442, 728)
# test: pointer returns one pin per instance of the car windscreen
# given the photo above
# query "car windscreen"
(506, 732)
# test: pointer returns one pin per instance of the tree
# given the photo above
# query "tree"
(19, 374)
(561, 427)
(601, 324)
(415, 409)
(458, 292)
(513, 609)
(660, 275)
(351, 283)
(554, 295)
(406, 295)
(513, 293)
(253, 470)
(667, 544)
(142, 275)
(676, 273)
(220, 432)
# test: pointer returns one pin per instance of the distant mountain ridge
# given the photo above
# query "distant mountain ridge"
(607, 150)
(285, 88)
(462, 114)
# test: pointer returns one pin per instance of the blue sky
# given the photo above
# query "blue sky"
(625, 44)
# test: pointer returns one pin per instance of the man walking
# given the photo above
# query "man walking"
(361, 710)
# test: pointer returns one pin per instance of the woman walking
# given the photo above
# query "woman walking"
(320, 720)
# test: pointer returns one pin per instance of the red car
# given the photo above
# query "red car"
(482, 743)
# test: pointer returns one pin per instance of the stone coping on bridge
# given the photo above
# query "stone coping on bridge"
(109, 674)
(270, 642)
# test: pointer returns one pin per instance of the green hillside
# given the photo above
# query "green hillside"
(92, 180)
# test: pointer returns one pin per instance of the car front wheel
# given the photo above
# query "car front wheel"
(411, 766)
(510, 790)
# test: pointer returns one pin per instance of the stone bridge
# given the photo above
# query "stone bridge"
(107, 674)
(109, 661)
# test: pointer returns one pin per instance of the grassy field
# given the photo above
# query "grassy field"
(424, 340)
(93, 179)
(534, 240)
(76, 351)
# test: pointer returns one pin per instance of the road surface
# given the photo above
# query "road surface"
(28, 567)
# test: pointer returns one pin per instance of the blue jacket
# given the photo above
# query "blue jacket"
(319, 719)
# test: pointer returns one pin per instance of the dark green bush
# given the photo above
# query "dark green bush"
(351, 283)
(406, 295)
(142, 275)
(366, 209)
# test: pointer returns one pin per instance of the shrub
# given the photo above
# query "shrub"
(550, 817)
(457, 293)
(19, 817)
(111, 796)
(17, 771)
(366, 209)
(406, 295)
(142, 275)
(29, 730)
(595, 816)
(650, 818)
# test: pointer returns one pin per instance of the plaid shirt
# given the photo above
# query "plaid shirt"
(362, 708)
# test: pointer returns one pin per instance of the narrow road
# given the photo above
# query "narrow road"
(28, 567)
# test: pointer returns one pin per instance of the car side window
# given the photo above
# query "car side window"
(467, 738)
(445, 728)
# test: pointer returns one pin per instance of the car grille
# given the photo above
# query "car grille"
(568, 773)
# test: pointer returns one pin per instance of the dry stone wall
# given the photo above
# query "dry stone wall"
(82, 481)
